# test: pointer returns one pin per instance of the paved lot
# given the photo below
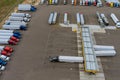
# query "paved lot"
(110, 64)
(31, 58)
(30, 61)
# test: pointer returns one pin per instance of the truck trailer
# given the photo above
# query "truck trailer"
(115, 20)
(71, 59)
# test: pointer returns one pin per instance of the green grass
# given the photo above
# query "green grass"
(6, 6)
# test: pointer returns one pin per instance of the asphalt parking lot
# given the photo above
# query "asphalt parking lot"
(31, 57)
(110, 64)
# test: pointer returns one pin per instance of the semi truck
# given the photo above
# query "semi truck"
(10, 31)
(7, 42)
(11, 18)
(21, 15)
(105, 20)
(115, 20)
(17, 35)
(52, 18)
(4, 58)
(5, 53)
(82, 19)
(10, 37)
(14, 27)
(65, 2)
(26, 7)
(71, 59)
(8, 49)
(78, 18)
(65, 18)
(100, 19)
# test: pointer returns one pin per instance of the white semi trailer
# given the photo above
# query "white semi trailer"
(65, 18)
(21, 15)
(71, 59)
(115, 19)
(11, 18)
(52, 18)
(82, 21)
(18, 23)
(78, 18)
(8, 22)
(7, 41)
(105, 20)
(105, 53)
(14, 27)
(103, 47)
(100, 19)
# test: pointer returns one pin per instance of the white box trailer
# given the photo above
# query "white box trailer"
(99, 3)
(82, 19)
(105, 20)
(11, 34)
(6, 31)
(65, 18)
(103, 47)
(7, 41)
(5, 37)
(8, 22)
(80, 2)
(115, 19)
(100, 19)
(105, 53)
(78, 18)
(11, 18)
(72, 2)
(6, 34)
(10, 38)
(56, 1)
(65, 2)
(2, 48)
(71, 59)
(18, 23)
(10, 31)
(21, 15)
(42, 1)
(14, 27)
(83, 2)
(51, 18)
(53, 1)
(54, 18)
(26, 7)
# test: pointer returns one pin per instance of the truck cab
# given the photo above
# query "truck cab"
(5, 58)
(2, 68)
(2, 62)
(54, 59)
(118, 25)
(5, 53)
(65, 2)
(8, 49)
